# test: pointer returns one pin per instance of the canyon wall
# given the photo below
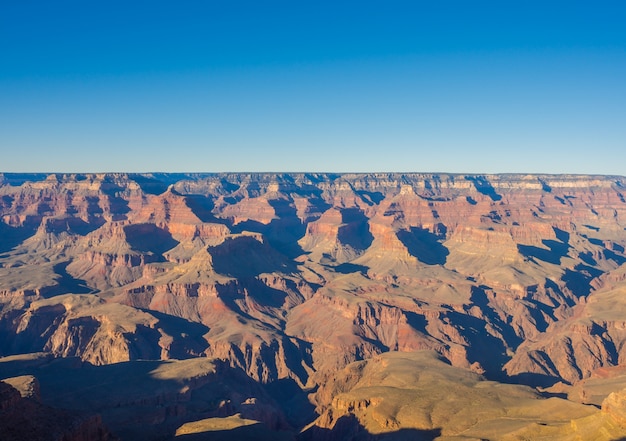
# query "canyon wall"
(291, 277)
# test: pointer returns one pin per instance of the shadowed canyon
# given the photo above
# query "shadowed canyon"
(312, 307)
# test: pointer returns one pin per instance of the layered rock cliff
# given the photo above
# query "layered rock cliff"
(291, 277)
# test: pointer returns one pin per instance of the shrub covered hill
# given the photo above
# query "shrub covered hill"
(313, 306)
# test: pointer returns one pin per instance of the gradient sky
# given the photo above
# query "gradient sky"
(432, 86)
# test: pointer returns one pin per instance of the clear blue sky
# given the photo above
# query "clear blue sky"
(442, 86)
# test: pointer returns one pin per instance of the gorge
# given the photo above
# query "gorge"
(315, 306)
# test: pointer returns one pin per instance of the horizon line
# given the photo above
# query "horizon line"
(50, 173)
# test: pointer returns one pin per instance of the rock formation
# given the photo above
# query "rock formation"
(25, 418)
(289, 278)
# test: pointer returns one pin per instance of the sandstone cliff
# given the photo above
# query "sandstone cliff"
(291, 277)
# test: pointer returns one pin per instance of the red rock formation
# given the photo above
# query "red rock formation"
(293, 276)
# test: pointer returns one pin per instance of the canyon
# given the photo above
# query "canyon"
(306, 306)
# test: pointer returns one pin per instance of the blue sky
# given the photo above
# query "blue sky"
(433, 86)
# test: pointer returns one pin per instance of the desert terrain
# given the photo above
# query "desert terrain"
(312, 307)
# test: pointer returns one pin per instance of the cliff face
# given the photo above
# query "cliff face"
(137, 400)
(24, 418)
(294, 276)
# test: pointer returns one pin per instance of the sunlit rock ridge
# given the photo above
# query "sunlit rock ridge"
(285, 280)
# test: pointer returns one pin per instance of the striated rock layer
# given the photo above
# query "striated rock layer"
(291, 277)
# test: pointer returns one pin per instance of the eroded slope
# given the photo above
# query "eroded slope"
(291, 277)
